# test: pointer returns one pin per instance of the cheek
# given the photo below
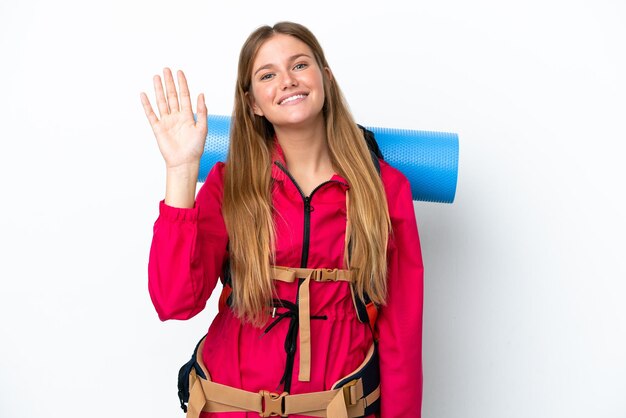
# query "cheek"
(262, 95)
(320, 83)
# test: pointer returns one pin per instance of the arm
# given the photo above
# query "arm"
(400, 320)
(188, 251)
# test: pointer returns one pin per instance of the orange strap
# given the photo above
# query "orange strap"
(348, 401)
(290, 275)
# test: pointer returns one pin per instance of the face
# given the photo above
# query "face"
(287, 83)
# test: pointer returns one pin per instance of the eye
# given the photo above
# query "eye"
(300, 66)
(266, 76)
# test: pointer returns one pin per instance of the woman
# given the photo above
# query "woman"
(309, 235)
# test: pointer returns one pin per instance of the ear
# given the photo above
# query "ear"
(253, 106)
(329, 73)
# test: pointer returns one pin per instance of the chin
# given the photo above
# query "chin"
(299, 118)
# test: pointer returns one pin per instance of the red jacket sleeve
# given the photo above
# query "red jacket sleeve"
(400, 320)
(188, 252)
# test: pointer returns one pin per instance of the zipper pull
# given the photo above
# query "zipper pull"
(307, 204)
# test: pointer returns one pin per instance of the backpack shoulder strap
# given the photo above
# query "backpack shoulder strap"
(372, 145)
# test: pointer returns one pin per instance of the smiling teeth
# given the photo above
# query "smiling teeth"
(292, 98)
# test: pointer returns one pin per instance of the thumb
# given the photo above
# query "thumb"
(202, 111)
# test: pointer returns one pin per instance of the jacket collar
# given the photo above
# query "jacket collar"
(278, 156)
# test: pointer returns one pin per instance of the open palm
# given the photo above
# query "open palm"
(179, 136)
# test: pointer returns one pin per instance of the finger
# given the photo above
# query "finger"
(160, 97)
(170, 88)
(152, 117)
(202, 112)
(185, 99)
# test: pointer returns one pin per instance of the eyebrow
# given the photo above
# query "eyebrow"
(291, 58)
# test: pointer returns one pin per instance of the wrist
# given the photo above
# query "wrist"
(186, 170)
(180, 188)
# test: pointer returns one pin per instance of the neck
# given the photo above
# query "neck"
(305, 149)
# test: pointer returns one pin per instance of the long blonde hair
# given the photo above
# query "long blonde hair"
(247, 206)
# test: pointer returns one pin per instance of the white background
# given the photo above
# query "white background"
(525, 312)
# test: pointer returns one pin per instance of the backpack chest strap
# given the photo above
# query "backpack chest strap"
(290, 275)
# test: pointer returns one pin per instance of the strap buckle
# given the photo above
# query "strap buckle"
(349, 393)
(325, 275)
(273, 404)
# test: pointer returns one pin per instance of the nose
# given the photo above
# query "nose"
(289, 81)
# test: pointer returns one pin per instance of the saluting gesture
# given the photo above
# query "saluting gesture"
(251, 222)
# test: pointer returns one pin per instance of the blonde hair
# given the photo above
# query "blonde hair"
(247, 206)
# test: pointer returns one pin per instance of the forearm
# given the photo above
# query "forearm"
(175, 287)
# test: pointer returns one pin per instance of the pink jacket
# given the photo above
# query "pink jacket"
(187, 257)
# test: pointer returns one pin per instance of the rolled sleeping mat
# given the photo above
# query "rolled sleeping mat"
(428, 159)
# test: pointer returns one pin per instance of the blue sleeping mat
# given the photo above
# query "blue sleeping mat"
(428, 159)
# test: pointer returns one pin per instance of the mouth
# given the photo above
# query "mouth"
(292, 98)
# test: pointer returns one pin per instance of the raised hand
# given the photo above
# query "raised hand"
(180, 138)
